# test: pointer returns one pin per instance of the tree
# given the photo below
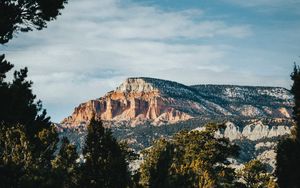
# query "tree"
(25, 128)
(288, 149)
(26, 15)
(65, 166)
(255, 175)
(190, 159)
(155, 168)
(15, 155)
(105, 164)
(19, 107)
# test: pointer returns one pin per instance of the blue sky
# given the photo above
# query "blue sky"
(94, 45)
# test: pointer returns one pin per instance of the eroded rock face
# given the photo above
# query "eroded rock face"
(138, 100)
(133, 100)
(255, 131)
(258, 140)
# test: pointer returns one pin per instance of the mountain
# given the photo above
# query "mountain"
(142, 110)
(141, 100)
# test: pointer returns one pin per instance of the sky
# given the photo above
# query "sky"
(96, 44)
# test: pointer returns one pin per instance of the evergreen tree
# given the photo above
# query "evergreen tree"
(26, 15)
(295, 76)
(105, 164)
(155, 168)
(19, 107)
(190, 159)
(15, 155)
(28, 141)
(288, 149)
(255, 175)
(65, 167)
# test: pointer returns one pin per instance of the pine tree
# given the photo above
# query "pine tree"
(155, 168)
(189, 159)
(295, 76)
(65, 166)
(18, 107)
(26, 15)
(15, 155)
(288, 149)
(255, 175)
(28, 140)
(105, 164)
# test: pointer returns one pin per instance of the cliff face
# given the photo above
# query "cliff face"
(258, 140)
(255, 131)
(138, 100)
(135, 99)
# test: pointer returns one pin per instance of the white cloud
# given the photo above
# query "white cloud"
(95, 44)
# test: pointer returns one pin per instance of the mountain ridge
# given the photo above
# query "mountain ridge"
(141, 99)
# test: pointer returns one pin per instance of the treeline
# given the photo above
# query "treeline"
(200, 159)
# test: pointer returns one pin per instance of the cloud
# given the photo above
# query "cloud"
(95, 44)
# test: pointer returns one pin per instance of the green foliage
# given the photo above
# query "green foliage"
(27, 138)
(15, 148)
(155, 169)
(18, 103)
(254, 175)
(21, 165)
(288, 149)
(24, 121)
(5, 66)
(65, 167)
(189, 159)
(26, 15)
(105, 162)
(15, 155)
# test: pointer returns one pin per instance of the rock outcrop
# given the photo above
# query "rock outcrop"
(140, 100)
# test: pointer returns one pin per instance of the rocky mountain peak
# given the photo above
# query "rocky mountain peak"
(164, 87)
(139, 100)
(132, 85)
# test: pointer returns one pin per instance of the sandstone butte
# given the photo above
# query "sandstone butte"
(148, 99)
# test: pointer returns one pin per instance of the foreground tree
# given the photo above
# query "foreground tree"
(154, 171)
(105, 164)
(28, 141)
(19, 107)
(65, 166)
(190, 159)
(26, 15)
(255, 175)
(15, 156)
(288, 149)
